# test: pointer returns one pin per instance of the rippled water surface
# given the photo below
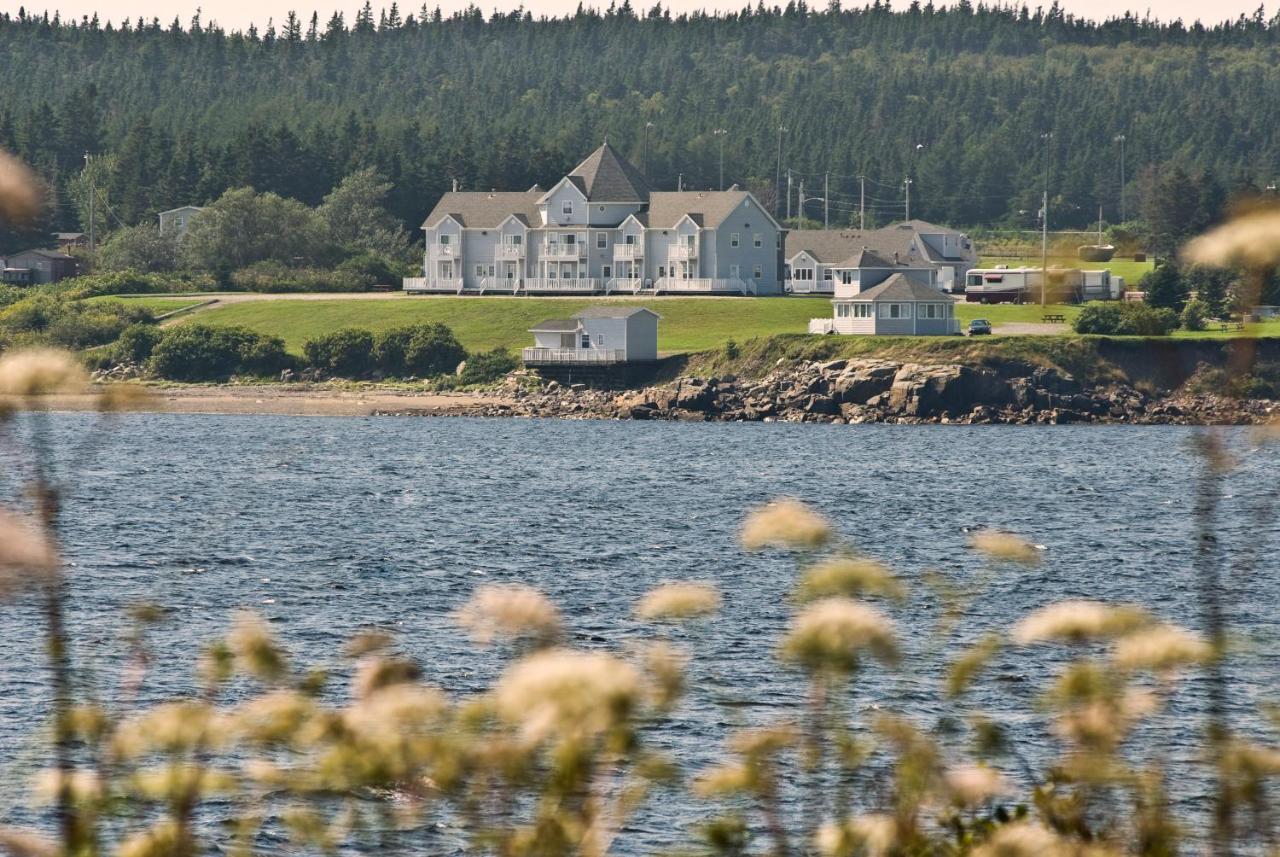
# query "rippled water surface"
(327, 526)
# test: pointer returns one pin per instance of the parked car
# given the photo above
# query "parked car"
(979, 327)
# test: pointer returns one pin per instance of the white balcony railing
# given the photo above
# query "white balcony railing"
(564, 251)
(582, 285)
(504, 285)
(571, 356)
(811, 287)
(628, 251)
(509, 251)
(684, 251)
(443, 251)
(432, 284)
(632, 285)
(703, 285)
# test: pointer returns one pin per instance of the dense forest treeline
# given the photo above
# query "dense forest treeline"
(960, 98)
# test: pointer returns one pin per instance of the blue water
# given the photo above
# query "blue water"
(330, 525)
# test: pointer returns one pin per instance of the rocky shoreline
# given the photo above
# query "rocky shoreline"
(874, 391)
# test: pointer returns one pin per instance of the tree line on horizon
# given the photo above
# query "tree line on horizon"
(960, 99)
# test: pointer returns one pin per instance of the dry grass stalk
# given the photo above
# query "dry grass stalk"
(675, 601)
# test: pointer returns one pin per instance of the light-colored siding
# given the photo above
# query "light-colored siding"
(642, 337)
(748, 219)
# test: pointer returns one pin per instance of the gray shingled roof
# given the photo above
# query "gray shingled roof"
(485, 210)
(48, 254)
(903, 287)
(707, 207)
(606, 176)
(830, 246)
(612, 312)
(555, 325)
(867, 259)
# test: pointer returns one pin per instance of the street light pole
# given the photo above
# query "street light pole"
(720, 132)
(777, 181)
(1120, 138)
(906, 184)
(91, 200)
(1044, 225)
(826, 205)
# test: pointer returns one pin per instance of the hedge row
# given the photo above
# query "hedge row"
(417, 351)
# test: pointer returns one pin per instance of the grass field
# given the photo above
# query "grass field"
(688, 324)
(1131, 271)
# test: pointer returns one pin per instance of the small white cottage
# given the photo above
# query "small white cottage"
(598, 334)
(901, 305)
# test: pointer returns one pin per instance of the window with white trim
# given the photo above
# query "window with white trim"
(757, 240)
(444, 238)
(804, 274)
(757, 272)
(896, 311)
(826, 275)
(479, 270)
(606, 271)
(733, 239)
(567, 208)
(602, 240)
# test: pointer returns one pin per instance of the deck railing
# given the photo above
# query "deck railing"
(703, 285)
(509, 251)
(562, 356)
(811, 287)
(506, 285)
(432, 284)
(631, 285)
(580, 286)
(683, 251)
(628, 251)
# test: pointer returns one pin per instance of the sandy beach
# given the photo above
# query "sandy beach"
(281, 399)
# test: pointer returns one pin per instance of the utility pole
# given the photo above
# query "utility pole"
(862, 204)
(906, 184)
(777, 181)
(1120, 138)
(680, 182)
(826, 200)
(92, 216)
(1044, 225)
(789, 195)
(720, 132)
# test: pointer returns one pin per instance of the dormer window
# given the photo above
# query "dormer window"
(444, 239)
(567, 208)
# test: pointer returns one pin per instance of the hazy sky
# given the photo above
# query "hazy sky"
(237, 14)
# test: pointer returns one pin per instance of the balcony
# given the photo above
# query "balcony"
(684, 251)
(564, 251)
(703, 286)
(630, 285)
(627, 252)
(572, 356)
(423, 285)
(499, 285)
(580, 286)
(811, 287)
(443, 251)
(509, 251)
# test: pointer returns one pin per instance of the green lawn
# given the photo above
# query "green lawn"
(1014, 313)
(1131, 271)
(688, 324)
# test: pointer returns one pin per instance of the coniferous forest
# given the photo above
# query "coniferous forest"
(982, 107)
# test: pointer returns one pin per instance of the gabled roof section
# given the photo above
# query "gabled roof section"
(903, 287)
(606, 176)
(47, 254)
(183, 208)
(480, 210)
(614, 312)
(867, 259)
(708, 208)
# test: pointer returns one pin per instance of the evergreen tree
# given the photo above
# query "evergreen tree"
(1165, 287)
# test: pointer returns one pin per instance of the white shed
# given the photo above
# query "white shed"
(598, 334)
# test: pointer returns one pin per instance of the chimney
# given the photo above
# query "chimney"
(455, 185)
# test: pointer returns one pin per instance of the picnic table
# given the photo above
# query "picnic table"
(1055, 318)
(1229, 325)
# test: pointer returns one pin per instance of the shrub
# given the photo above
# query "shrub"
(731, 350)
(193, 352)
(1124, 319)
(139, 248)
(488, 366)
(55, 319)
(119, 283)
(137, 342)
(420, 350)
(347, 353)
(1194, 315)
(276, 278)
